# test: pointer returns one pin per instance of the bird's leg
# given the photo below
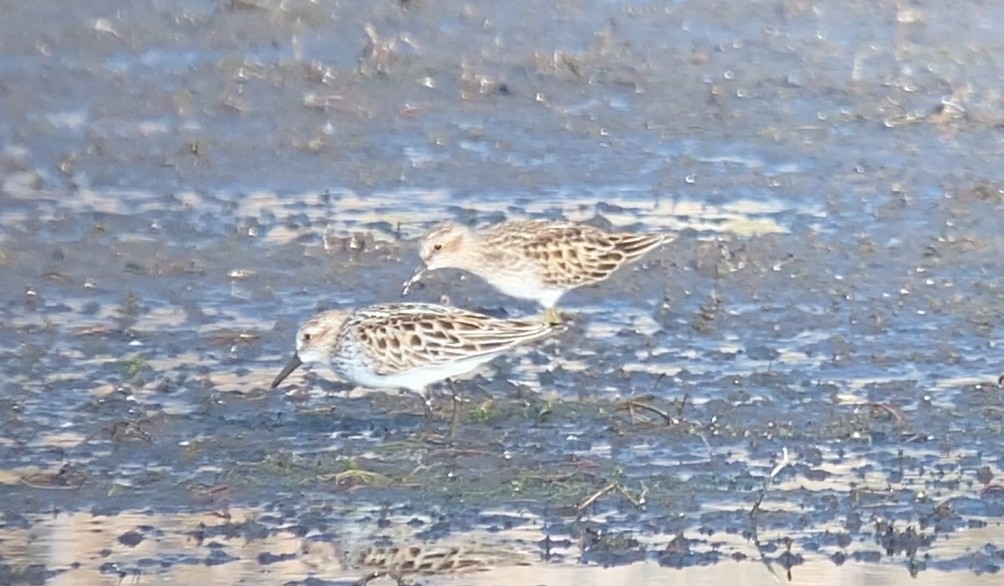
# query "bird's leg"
(426, 402)
(551, 316)
(427, 416)
(457, 398)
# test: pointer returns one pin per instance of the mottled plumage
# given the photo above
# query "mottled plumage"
(532, 259)
(406, 345)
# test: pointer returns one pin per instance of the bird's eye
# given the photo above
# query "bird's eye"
(306, 337)
(437, 247)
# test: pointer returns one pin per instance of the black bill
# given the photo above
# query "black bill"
(292, 365)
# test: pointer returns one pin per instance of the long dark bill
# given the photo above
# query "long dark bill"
(292, 365)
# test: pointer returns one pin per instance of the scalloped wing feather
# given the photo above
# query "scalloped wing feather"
(423, 335)
(570, 254)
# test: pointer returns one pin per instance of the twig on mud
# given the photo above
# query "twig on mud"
(211, 490)
(662, 377)
(66, 478)
(638, 501)
(237, 466)
(217, 494)
(580, 473)
(707, 444)
(633, 404)
(597, 495)
(896, 413)
(122, 430)
(449, 451)
(559, 478)
(406, 481)
(784, 463)
(666, 417)
(364, 478)
(682, 404)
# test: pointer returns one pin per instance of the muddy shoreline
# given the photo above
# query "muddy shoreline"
(182, 183)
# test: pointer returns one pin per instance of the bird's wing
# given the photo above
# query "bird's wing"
(572, 255)
(416, 335)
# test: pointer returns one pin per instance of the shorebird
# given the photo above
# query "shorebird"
(532, 259)
(407, 345)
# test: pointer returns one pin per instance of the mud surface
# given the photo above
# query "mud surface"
(801, 387)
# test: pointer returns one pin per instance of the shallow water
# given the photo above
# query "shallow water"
(182, 183)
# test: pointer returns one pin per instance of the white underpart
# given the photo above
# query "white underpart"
(415, 379)
(524, 285)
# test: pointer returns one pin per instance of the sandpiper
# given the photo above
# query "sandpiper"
(532, 259)
(407, 345)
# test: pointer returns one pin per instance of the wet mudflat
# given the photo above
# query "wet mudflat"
(801, 388)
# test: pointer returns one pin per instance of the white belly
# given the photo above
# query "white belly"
(415, 379)
(525, 287)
